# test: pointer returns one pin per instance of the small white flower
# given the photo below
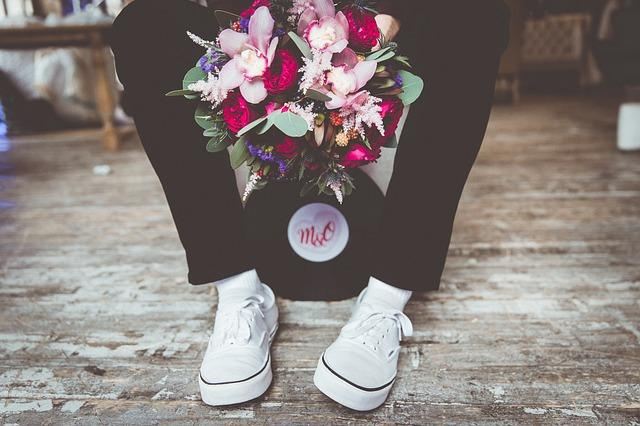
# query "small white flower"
(365, 113)
(251, 186)
(199, 40)
(299, 6)
(314, 70)
(210, 90)
(306, 113)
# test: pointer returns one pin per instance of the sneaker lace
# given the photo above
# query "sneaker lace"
(371, 325)
(236, 322)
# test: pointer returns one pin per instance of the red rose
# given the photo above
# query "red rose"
(288, 148)
(363, 29)
(236, 112)
(359, 155)
(256, 4)
(283, 72)
(391, 112)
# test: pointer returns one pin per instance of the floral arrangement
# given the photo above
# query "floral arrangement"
(302, 90)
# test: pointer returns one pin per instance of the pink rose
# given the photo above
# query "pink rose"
(363, 29)
(283, 72)
(391, 112)
(256, 4)
(236, 112)
(288, 148)
(359, 155)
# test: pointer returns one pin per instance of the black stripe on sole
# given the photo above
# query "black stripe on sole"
(237, 381)
(379, 388)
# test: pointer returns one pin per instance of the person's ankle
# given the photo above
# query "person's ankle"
(381, 294)
(238, 287)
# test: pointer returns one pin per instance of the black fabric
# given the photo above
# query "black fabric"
(455, 46)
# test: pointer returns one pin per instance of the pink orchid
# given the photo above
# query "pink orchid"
(251, 55)
(323, 28)
(348, 76)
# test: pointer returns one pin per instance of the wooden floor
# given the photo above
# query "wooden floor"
(538, 320)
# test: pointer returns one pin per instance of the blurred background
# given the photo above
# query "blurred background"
(537, 320)
(51, 80)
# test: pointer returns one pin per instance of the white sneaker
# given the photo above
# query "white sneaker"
(237, 364)
(359, 368)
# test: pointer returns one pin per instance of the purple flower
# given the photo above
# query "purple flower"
(267, 157)
(398, 79)
(209, 62)
(244, 24)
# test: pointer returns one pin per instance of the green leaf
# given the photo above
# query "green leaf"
(203, 116)
(214, 131)
(367, 143)
(302, 44)
(239, 153)
(246, 129)
(255, 166)
(412, 87)
(217, 145)
(181, 93)
(194, 75)
(265, 127)
(318, 96)
(378, 53)
(290, 124)
(403, 60)
(225, 19)
(392, 142)
(386, 57)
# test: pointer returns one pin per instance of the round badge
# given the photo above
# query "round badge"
(318, 232)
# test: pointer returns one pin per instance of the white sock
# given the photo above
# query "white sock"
(239, 287)
(381, 294)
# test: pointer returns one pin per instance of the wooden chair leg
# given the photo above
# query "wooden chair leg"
(104, 99)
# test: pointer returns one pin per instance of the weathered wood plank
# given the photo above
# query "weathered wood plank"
(538, 319)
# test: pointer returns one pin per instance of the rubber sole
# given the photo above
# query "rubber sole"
(230, 393)
(347, 393)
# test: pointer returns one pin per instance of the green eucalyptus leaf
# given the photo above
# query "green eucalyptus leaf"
(194, 75)
(378, 53)
(317, 96)
(239, 153)
(182, 93)
(290, 124)
(268, 124)
(386, 56)
(246, 129)
(301, 44)
(203, 116)
(412, 87)
(225, 19)
(217, 145)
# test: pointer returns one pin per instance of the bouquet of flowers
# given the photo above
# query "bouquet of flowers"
(303, 90)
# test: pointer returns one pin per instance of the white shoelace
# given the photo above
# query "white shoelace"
(237, 322)
(372, 324)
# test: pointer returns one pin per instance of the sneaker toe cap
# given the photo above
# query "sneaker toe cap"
(232, 366)
(358, 366)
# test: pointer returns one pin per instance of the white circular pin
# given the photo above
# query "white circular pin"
(318, 232)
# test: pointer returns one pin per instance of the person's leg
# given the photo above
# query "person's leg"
(460, 46)
(455, 46)
(153, 52)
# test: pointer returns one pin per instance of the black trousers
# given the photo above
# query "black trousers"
(455, 45)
